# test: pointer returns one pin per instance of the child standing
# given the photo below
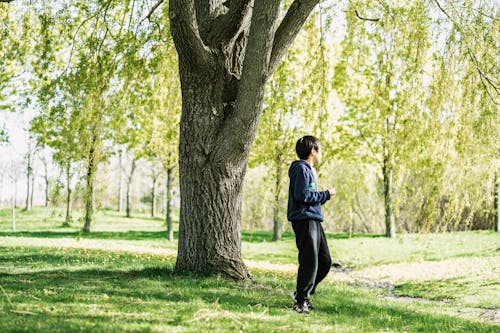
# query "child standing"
(304, 212)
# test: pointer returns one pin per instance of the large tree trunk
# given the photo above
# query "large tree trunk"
(168, 210)
(210, 185)
(226, 53)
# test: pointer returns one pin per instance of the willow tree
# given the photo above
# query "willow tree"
(227, 51)
(383, 61)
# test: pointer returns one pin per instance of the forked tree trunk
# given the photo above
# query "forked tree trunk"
(227, 50)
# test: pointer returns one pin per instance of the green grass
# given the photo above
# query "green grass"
(120, 278)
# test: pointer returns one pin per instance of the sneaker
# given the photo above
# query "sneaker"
(301, 308)
(308, 301)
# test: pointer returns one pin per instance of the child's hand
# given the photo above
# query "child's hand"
(332, 192)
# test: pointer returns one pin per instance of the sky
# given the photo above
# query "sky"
(12, 154)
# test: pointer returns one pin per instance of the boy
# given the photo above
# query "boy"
(304, 212)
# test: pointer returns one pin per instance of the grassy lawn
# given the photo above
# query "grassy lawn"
(120, 278)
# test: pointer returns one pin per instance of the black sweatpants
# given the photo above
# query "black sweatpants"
(314, 257)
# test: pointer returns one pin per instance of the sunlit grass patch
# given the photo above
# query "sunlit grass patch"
(466, 291)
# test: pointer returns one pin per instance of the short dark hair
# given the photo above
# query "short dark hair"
(304, 146)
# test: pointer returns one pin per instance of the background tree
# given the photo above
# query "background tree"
(46, 162)
(380, 97)
(160, 122)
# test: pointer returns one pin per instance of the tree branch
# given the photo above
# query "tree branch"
(294, 19)
(6, 1)
(221, 23)
(364, 18)
(185, 32)
(482, 74)
(228, 24)
(153, 9)
(240, 125)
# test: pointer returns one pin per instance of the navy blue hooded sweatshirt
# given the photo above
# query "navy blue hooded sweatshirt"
(304, 200)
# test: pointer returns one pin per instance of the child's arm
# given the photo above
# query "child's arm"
(304, 189)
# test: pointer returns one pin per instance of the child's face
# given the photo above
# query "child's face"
(316, 155)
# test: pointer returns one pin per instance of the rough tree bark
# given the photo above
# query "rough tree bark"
(227, 50)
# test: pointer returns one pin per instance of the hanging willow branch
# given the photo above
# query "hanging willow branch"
(486, 81)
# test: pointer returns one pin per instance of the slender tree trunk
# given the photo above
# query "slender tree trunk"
(496, 202)
(67, 220)
(168, 210)
(1, 189)
(15, 191)
(90, 178)
(14, 214)
(153, 194)
(32, 189)
(120, 190)
(28, 183)
(277, 191)
(128, 207)
(46, 190)
(390, 227)
(46, 179)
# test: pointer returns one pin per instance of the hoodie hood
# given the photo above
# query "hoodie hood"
(297, 165)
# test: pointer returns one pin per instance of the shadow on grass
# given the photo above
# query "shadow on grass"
(57, 291)
(117, 296)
